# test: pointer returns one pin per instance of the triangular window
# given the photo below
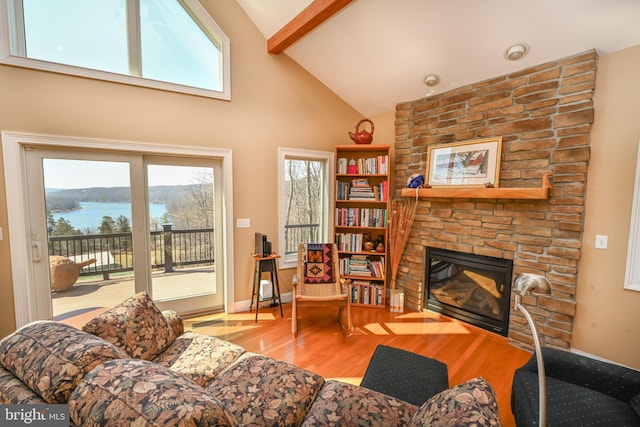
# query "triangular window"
(168, 44)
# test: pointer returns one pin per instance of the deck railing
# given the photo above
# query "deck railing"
(114, 251)
(168, 248)
(299, 233)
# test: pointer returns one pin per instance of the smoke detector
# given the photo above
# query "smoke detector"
(432, 80)
(516, 51)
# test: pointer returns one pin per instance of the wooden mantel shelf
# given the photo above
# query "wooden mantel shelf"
(540, 193)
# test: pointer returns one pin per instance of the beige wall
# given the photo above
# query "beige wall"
(607, 322)
(275, 103)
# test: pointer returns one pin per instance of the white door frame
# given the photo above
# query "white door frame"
(13, 145)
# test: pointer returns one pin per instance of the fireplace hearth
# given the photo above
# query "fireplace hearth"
(469, 287)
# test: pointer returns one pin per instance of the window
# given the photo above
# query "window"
(304, 194)
(632, 274)
(167, 44)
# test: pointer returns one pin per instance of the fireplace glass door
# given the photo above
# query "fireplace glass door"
(469, 287)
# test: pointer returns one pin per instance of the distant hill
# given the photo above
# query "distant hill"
(158, 194)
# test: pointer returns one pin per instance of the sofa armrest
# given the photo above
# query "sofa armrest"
(614, 380)
(635, 404)
(175, 322)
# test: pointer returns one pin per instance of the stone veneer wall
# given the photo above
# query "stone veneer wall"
(544, 115)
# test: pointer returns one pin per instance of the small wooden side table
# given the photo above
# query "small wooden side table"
(265, 265)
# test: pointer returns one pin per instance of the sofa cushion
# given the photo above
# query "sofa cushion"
(175, 321)
(470, 403)
(15, 392)
(141, 393)
(259, 390)
(199, 357)
(51, 358)
(136, 325)
(340, 404)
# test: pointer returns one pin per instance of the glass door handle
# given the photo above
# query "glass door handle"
(36, 251)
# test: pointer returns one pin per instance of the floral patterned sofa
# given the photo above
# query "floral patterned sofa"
(135, 365)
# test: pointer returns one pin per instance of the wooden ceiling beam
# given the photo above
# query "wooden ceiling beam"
(305, 22)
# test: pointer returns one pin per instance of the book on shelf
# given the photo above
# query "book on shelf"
(378, 165)
(349, 242)
(360, 182)
(361, 190)
(383, 191)
(356, 265)
(362, 265)
(377, 268)
(364, 292)
(361, 217)
(342, 190)
(341, 166)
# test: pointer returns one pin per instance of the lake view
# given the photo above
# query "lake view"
(91, 213)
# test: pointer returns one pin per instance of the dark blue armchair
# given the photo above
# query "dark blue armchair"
(581, 391)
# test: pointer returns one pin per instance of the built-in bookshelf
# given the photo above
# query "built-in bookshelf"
(360, 224)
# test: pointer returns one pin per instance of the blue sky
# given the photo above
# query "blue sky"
(61, 173)
(93, 34)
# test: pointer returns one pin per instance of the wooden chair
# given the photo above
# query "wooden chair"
(311, 286)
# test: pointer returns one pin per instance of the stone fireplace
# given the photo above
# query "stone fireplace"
(544, 115)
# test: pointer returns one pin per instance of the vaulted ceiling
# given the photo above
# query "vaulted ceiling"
(375, 54)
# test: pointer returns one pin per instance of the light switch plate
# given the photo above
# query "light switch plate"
(602, 241)
(243, 223)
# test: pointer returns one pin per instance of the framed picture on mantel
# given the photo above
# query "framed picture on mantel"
(473, 163)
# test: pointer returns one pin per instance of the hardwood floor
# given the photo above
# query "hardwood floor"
(321, 347)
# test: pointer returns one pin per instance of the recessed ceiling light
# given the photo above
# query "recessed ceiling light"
(516, 51)
(432, 80)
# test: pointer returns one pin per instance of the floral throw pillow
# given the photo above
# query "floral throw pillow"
(470, 403)
(136, 326)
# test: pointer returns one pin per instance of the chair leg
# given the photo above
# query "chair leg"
(294, 317)
(348, 329)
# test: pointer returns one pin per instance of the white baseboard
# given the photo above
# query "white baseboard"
(240, 306)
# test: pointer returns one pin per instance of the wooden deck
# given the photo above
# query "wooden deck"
(109, 293)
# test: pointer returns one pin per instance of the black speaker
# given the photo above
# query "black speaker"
(261, 245)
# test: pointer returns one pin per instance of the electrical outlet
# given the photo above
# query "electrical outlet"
(601, 241)
(243, 223)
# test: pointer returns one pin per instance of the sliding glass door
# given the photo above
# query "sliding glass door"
(104, 226)
(183, 241)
